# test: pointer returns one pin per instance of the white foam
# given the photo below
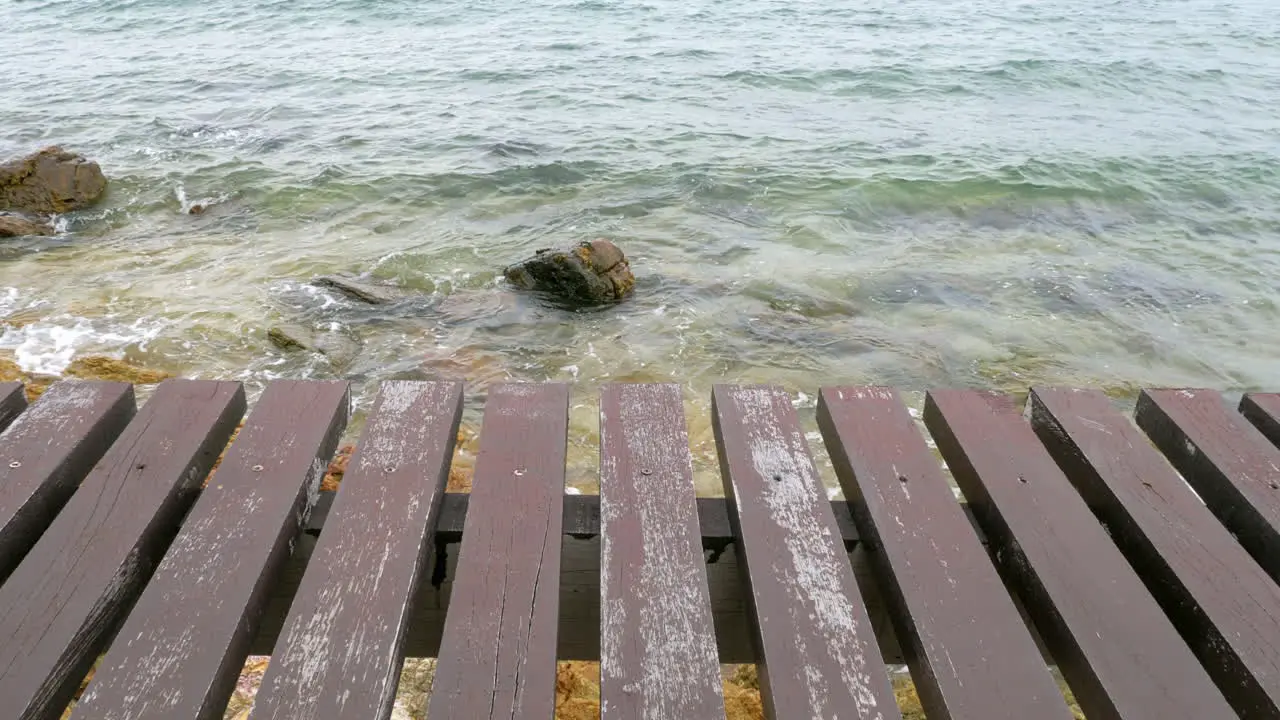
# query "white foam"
(48, 346)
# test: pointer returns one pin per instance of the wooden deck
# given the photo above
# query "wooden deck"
(1140, 557)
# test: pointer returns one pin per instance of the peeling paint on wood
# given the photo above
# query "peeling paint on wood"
(59, 606)
(47, 452)
(1183, 553)
(340, 652)
(1231, 465)
(820, 658)
(657, 650)
(972, 658)
(498, 652)
(182, 648)
(1119, 652)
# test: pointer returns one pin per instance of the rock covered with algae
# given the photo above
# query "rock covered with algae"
(593, 273)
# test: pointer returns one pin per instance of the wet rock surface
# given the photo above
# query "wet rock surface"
(593, 273)
(358, 289)
(336, 344)
(19, 226)
(50, 181)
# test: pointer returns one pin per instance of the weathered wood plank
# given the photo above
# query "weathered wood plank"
(1120, 654)
(579, 634)
(13, 400)
(658, 654)
(1263, 410)
(340, 651)
(969, 652)
(1225, 606)
(582, 518)
(60, 605)
(181, 650)
(818, 652)
(1234, 469)
(48, 451)
(498, 653)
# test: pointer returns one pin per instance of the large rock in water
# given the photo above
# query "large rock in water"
(50, 181)
(593, 273)
(17, 226)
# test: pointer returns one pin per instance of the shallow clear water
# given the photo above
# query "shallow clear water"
(915, 193)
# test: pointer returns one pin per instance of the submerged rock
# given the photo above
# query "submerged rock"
(18, 226)
(50, 181)
(291, 337)
(360, 290)
(593, 273)
(335, 344)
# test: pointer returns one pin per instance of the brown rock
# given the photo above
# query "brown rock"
(50, 181)
(593, 273)
(360, 290)
(18, 226)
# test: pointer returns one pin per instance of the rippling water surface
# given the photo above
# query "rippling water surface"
(915, 192)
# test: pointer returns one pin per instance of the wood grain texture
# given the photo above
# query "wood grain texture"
(1122, 657)
(13, 400)
(658, 653)
(182, 648)
(582, 518)
(61, 604)
(969, 652)
(1231, 465)
(498, 653)
(579, 634)
(818, 649)
(47, 452)
(340, 651)
(1263, 410)
(1225, 606)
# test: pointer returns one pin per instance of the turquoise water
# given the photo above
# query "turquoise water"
(910, 193)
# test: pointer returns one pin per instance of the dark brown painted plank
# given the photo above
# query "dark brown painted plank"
(339, 654)
(1263, 410)
(969, 652)
(60, 605)
(658, 650)
(1225, 606)
(498, 653)
(1235, 470)
(181, 650)
(1120, 654)
(819, 657)
(48, 451)
(13, 400)
(582, 518)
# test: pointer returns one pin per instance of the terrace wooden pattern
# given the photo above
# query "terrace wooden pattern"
(1143, 565)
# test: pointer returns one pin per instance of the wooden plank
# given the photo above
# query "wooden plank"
(1225, 606)
(61, 604)
(339, 654)
(1263, 410)
(48, 451)
(657, 649)
(183, 646)
(818, 652)
(969, 652)
(1232, 466)
(498, 653)
(579, 633)
(1121, 655)
(13, 400)
(582, 518)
